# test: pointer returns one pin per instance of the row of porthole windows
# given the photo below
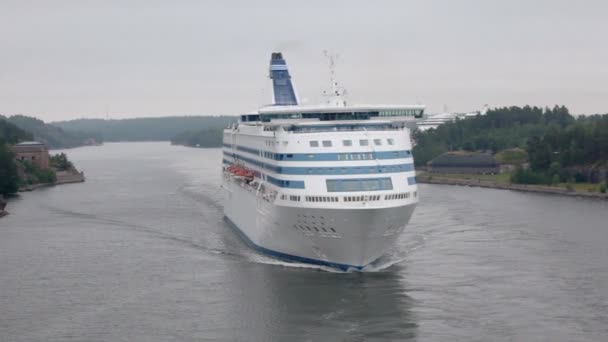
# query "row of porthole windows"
(273, 143)
(321, 199)
(361, 198)
(348, 142)
(355, 156)
(314, 229)
(294, 198)
(388, 197)
(397, 196)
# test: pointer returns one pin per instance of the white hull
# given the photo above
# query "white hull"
(340, 238)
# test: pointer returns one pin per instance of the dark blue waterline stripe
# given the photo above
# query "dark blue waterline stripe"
(327, 156)
(337, 170)
(289, 257)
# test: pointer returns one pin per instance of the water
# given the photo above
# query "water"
(140, 252)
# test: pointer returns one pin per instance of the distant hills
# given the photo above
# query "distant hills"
(175, 128)
(54, 137)
(11, 134)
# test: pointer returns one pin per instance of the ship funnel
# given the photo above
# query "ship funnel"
(283, 91)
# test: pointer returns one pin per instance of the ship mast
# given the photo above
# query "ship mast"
(337, 94)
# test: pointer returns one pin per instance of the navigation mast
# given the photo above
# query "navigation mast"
(338, 93)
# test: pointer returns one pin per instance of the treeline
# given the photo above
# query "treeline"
(147, 129)
(201, 138)
(554, 140)
(9, 134)
(499, 129)
(52, 136)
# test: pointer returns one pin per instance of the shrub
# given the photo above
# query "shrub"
(522, 176)
(35, 175)
(61, 162)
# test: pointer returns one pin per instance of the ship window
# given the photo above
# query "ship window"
(390, 141)
(347, 142)
(378, 142)
(363, 142)
(326, 143)
(314, 143)
(346, 185)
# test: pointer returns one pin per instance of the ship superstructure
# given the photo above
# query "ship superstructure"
(330, 185)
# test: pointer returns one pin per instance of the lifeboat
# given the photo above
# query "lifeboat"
(240, 171)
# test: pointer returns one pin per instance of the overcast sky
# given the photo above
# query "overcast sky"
(69, 59)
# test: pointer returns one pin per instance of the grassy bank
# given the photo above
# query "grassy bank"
(501, 181)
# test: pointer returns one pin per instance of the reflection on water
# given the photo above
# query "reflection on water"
(140, 252)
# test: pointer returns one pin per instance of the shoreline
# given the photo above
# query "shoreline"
(2, 206)
(63, 177)
(544, 189)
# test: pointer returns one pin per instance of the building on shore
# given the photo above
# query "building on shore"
(34, 152)
(464, 162)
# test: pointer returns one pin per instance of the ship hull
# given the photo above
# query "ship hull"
(334, 237)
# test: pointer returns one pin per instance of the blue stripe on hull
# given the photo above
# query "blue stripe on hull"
(323, 156)
(289, 257)
(316, 170)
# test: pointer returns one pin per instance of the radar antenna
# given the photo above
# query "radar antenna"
(338, 93)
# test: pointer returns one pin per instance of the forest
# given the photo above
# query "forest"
(9, 134)
(52, 136)
(147, 129)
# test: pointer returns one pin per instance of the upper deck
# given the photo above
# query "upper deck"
(335, 113)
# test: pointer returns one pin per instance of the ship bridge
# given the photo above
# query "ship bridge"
(331, 113)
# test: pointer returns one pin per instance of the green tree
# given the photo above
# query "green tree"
(9, 178)
(61, 162)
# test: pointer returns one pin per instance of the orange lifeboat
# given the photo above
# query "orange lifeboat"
(240, 171)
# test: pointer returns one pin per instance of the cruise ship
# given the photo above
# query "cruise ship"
(331, 185)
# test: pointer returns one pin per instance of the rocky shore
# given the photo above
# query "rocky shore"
(516, 187)
(63, 177)
(70, 176)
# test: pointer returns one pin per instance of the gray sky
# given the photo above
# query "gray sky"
(69, 59)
